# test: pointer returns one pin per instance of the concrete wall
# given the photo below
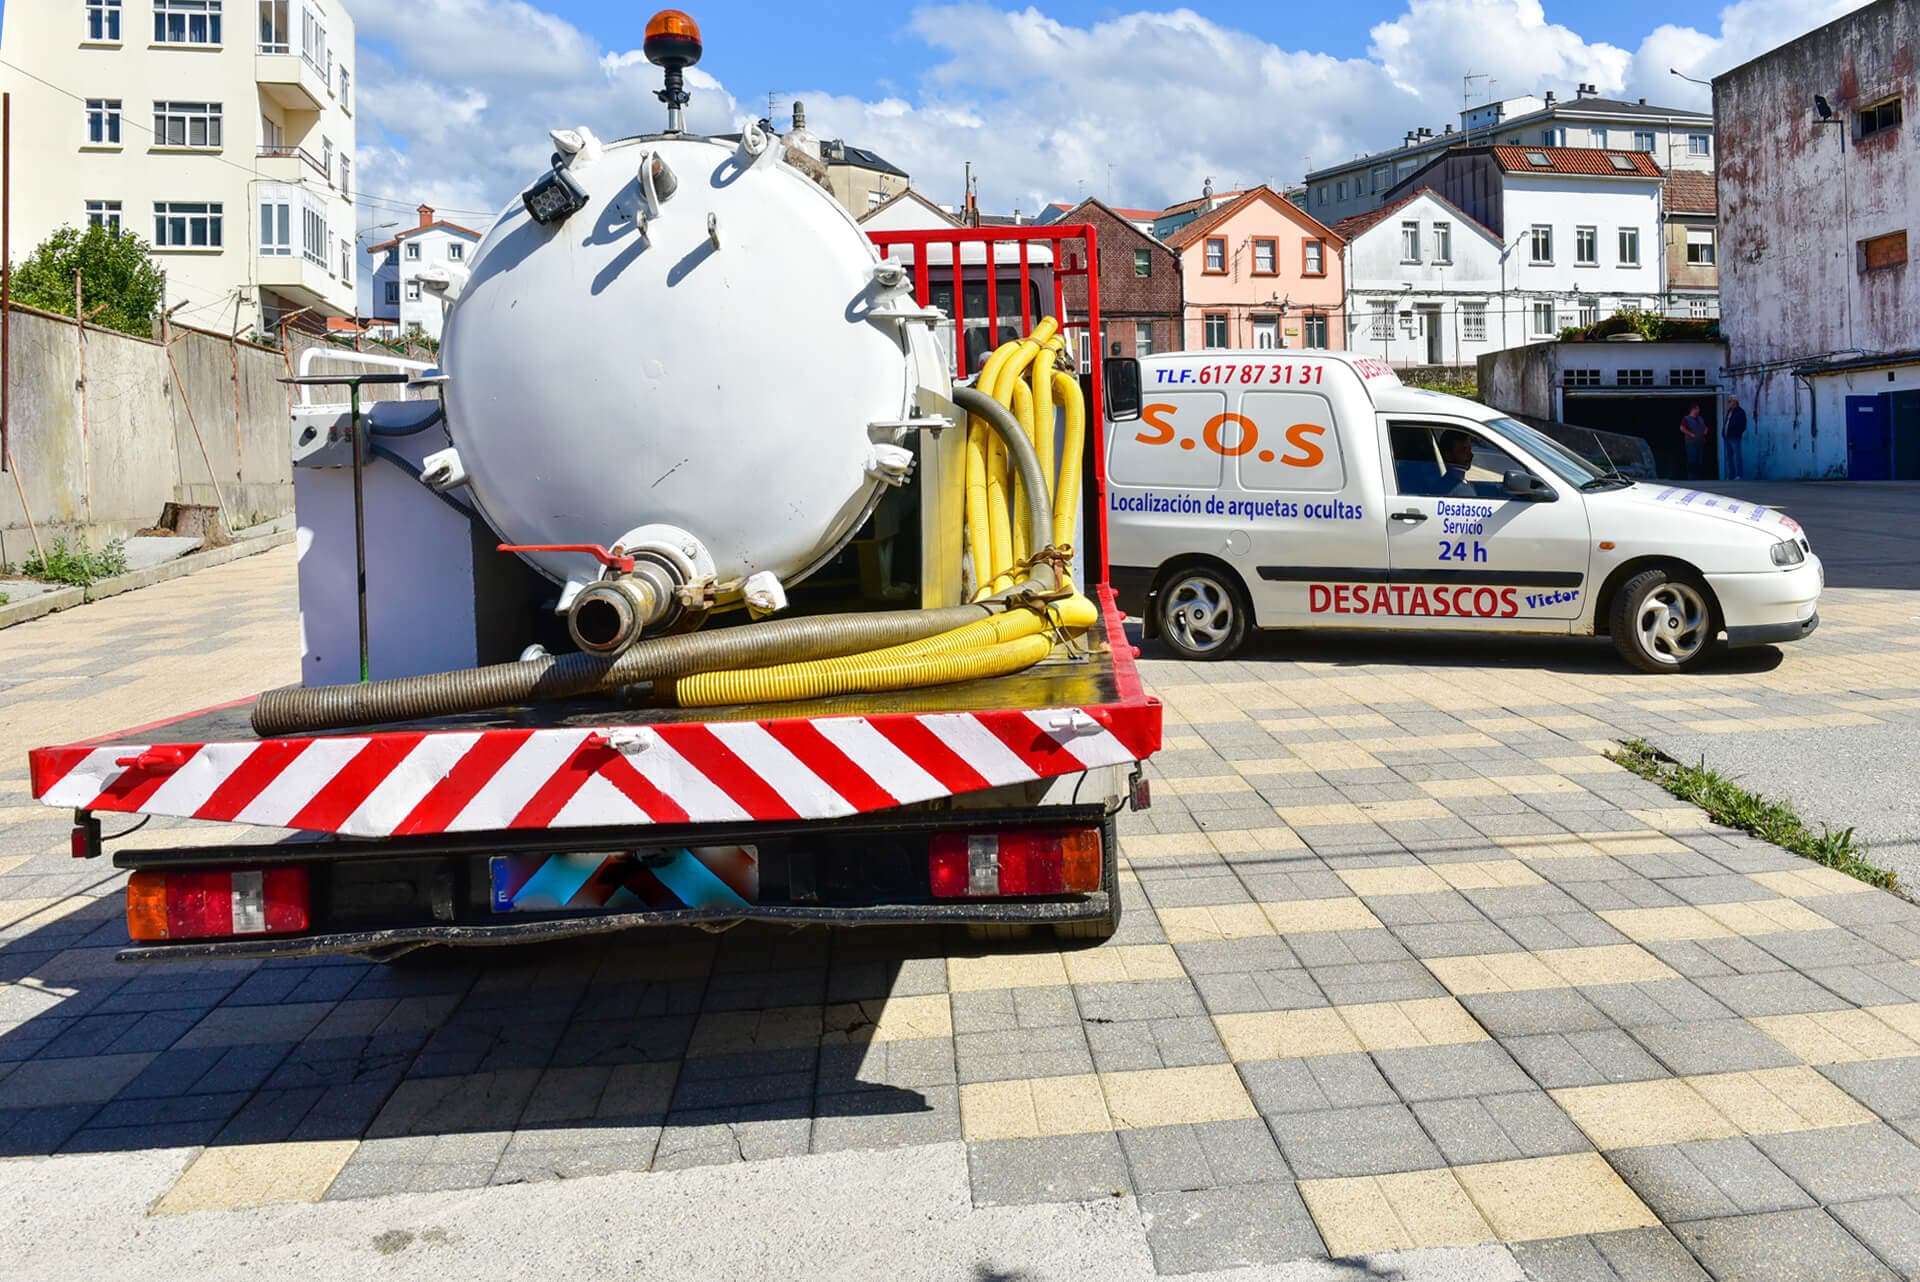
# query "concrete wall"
(1797, 197)
(1519, 380)
(138, 450)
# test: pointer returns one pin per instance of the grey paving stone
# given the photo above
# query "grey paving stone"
(1384, 981)
(1712, 1046)
(1890, 1087)
(1778, 992)
(1806, 949)
(1347, 947)
(1315, 1084)
(760, 990)
(1237, 992)
(1631, 1255)
(1847, 1162)
(534, 1156)
(1876, 984)
(1451, 1072)
(1004, 1009)
(907, 1064)
(1170, 1159)
(1377, 1140)
(1234, 956)
(1141, 999)
(1660, 1001)
(1222, 1228)
(269, 1117)
(1616, 893)
(1185, 892)
(1901, 938)
(1424, 909)
(1561, 930)
(1454, 938)
(1120, 1046)
(1707, 1180)
(439, 1105)
(1499, 1127)
(715, 1136)
(1528, 1013)
(726, 1081)
(1557, 1060)
(1270, 884)
(1781, 1246)
(49, 1083)
(1052, 1051)
(891, 1119)
(1063, 1168)
(1890, 1228)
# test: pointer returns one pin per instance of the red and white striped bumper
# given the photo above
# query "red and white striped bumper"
(396, 784)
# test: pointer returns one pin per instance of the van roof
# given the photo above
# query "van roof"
(1381, 383)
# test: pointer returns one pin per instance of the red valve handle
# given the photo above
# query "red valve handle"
(624, 564)
(157, 761)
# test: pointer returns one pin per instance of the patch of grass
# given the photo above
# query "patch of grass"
(76, 568)
(1732, 806)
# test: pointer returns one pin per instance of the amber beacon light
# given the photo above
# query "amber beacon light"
(672, 44)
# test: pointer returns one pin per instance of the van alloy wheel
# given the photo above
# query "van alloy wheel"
(1202, 614)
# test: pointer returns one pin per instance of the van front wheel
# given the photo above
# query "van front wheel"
(1202, 613)
(1663, 621)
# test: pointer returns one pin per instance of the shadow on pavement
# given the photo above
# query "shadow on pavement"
(1564, 655)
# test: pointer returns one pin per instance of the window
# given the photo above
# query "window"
(413, 291)
(273, 26)
(1543, 318)
(1699, 144)
(1624, 164)
(186, 225)
(456, 251)
(104, 213)
(1313, 330)
(272, 138)
(1340, 190)
(1541, 238)
(103, 122)
(393, 293)
(1629, 246)
(186, 22)
(1443, 242)
(413, 251)
(1877, 119)
(346, 262)
(313, 42)
(346, 90)
(186, 124)
(875, 199)
(1589, 311)
(1633, 378)
(346, 178)
(1265, 257)
(1419, 468)
(1216, 263)
(1473, 322)
(1410, 242)
(313, 235)
(1883, 251)
(1143, 338)
(1214, 330)
(1686, 378)
(1143, 263)
(1586, 247)
(103, 20)
(1382, 326)
(1320, 196)
(1700, 246)
(326, 158)
(276, 227)
(1539, 160)
(1382, 178)
(1313, 258)
(1597, 137)
(1553, 136)
(1643, 140)
(1699, 306)
(1580, 378)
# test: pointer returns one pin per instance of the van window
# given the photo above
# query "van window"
(1176, 441)
(1291, 443)
(1437, 460)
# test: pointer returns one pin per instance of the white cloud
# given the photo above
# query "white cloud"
(1040, 108)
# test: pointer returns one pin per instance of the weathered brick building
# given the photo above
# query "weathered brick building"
(1139, 283)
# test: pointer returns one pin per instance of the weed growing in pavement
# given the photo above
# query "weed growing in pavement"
(1732, 806)
(76, 569)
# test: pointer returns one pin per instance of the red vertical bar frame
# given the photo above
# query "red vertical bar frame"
(1097, 412)
(1026, 294)
(993, 292)
(960, 361)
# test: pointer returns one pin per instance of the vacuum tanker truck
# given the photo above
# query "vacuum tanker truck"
(704, 579)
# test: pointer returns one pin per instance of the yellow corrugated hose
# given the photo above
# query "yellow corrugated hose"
(974, 479)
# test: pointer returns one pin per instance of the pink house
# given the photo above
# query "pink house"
(1259, 271)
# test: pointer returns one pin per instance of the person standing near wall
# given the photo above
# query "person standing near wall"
(1693, 428)
(1731, 431)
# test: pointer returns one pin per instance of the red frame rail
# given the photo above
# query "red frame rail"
(1055, 235)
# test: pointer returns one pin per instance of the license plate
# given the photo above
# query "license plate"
(662, 877)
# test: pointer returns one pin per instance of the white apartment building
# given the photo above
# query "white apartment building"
(220, 132)
(400, 305)
(1423, 283)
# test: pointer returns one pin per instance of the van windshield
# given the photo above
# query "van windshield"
(1566, 465)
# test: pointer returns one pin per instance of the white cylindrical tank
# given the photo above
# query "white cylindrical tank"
(696, 353)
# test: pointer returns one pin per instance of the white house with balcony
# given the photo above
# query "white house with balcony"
(401, 305)
(1422, 282)
(221, 134)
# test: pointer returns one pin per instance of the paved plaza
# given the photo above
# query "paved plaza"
(1412, 982)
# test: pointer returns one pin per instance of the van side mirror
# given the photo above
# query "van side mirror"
(1120, 388)
(1525, 485)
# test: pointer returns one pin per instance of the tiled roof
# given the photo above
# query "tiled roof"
(439, 223)
(1575, 160)
(1691, 192)
(1615, 107)
(1184, 236)
(1221, 196)
(1348, 228)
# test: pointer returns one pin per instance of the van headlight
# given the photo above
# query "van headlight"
(1788, 552)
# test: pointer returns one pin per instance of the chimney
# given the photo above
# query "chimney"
(1449, 128)
(1206, 196)
(1643, 102)
(426, 215)
(799, 115)
(1549, 97)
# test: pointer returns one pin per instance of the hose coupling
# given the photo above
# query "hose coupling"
(610, 614)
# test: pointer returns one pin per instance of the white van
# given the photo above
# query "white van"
(1310, 489)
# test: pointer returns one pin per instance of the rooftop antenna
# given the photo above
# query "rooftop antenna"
(1466, 96)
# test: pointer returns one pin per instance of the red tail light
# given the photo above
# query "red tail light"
(1014, 861)
(211, 905)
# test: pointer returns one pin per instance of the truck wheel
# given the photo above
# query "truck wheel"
(1202, 613)
(1663, 621)
(1100, 929)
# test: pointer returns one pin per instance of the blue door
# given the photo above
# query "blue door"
(1869, 439)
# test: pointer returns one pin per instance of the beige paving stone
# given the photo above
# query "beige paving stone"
(34, 913)
(1902, 1017)
(1587, 763)
(1005, 970)
(1123, 963)
(1403, 811)
(1170, 845)
(1546, 1197)
(1033, 1108)
(1633, 1114)
(1285, 1034)
(1659, 925)
(740, 1032)
(1674, 819)
(1765, 916)
(1334, 755)
(1308, 916)
(1246, 841)
(1203, 785)
(1412, 879)
(1322, 816)
(1810, 882)
(1463, 788)
(1201, 924)
(1488, 874)
(1523, 785)
(1426, 1021)
(1371, 1213)
(1633, 843)
(1770, 1101)
(1273, 766)
(229, 1178)
(1549, 968)
(10, 862)
(1176, 1096)
(1839, 1036)
(1549, 847)
(892, 1019)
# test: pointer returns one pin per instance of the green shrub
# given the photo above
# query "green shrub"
(76, 568)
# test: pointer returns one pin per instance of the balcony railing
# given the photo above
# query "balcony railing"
(290, 153)
(275, 46)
